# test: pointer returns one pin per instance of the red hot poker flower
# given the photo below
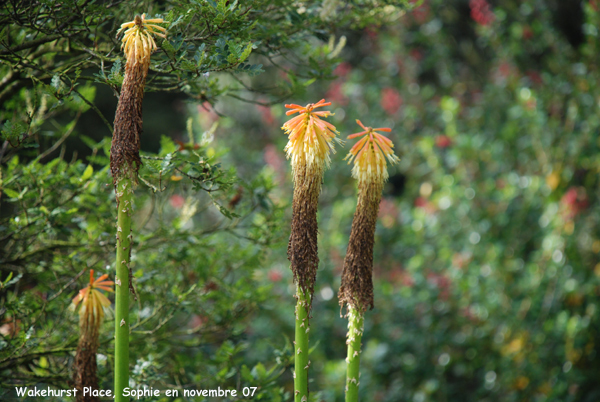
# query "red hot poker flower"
(369, 154)
(310, 137)
(92, 300)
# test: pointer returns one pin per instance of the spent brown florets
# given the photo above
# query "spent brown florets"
(125, 148)
(302, 247)
(85, 366)
(311, 140)
(356, 289)
(138, 44)
(370, 169)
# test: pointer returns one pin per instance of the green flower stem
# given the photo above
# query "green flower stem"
(355, 332)
(124, 195)
(301, 348)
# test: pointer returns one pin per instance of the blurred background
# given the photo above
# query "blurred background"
(486, 262)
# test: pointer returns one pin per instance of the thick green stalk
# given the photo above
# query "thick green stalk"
(355, 332)
(301, 348)
(124, 194)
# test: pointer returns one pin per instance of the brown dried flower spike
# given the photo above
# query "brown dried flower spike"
(370, 169)
(356, 291)
(137, 44)
(311, 140)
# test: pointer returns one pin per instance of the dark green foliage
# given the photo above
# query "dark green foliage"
(192, 270)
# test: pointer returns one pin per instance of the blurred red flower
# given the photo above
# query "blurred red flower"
(421, 13)
(342, 70)
(535, 77)
(481, 12)
(442, 282)
(266, 114)
(275, 275)
(574, 201)
(177, 201)
(420, 202)
(335, 94)
(273, 158)
(416, 54)
(443, 141)
(390, 100)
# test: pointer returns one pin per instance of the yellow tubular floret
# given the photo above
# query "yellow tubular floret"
(138, 43)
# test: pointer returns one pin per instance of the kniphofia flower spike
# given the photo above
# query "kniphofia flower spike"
(92, 300)
(310, 138)
(369, 154)
(138, 43)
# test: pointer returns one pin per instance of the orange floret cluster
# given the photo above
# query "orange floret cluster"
(369, 155)
(310, 138)
(92, 300)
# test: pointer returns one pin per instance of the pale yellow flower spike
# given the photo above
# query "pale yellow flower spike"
(138, 43)
(369, 155)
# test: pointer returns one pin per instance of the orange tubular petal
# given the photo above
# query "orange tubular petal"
(322, 105)
(360, 144)
(362, 125)
(362, 151)
(322, 113)
(292, 132)
(329, 125)
(385, 147)
(356, 135)
(323, 125)
(386, 150)
(294, 121)
(290, 112)
(384, 139)
(378, 150)
(387, 130)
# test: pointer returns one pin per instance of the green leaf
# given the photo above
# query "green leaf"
(10, 193)
(309, 82)
(88, 141)
(87, 173)
(10, 280)
(259, 371)
(167, 146)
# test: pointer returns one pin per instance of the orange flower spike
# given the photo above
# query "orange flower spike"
(310, 137)
(91, 298)
(369, 154)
